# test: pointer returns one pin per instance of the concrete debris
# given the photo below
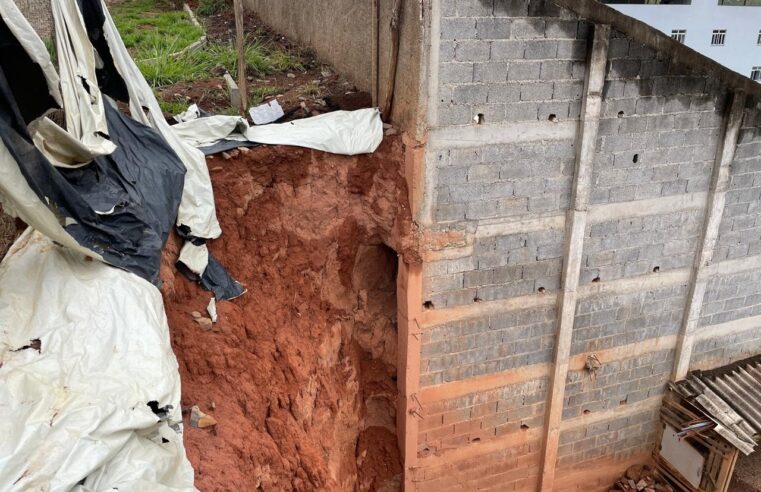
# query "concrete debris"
(641, 478)
(233, 90)
(212, 310)
(201, 420)
(592, 364)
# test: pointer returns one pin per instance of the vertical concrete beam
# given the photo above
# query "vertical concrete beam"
(575, 225)
(725, 153)
(409, 296)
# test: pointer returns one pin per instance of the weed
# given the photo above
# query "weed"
(259, 93)
(162, 69)
(311, 89)
(145, 24)
(211, 7)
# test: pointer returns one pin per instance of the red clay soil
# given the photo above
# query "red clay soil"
(300, 372)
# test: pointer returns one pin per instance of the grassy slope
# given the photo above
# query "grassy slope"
(152, 31)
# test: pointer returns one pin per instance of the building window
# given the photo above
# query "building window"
(755, 74)
(679, 34)
(649, 2)
(741, 3)
(718, 37)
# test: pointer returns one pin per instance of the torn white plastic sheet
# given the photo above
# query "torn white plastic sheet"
(85, 114)
(268, 112)
(197, 210)
(339, 132)
(75, 400)
(191, 113)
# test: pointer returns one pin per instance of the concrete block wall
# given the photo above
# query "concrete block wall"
(498, 180)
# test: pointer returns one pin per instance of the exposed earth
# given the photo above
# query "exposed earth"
(299, 372)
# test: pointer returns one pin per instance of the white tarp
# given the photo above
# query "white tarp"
(77, 409)
(197, 210)
(339, 132)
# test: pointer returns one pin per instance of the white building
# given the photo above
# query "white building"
(729, 31)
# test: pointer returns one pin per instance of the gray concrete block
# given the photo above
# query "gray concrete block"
(540, 50)
(528, 28)
(480, 8)
(490, 72)
(456, 73)
(493, 28)
(504, 93)
(538, 91)
(507, 50)
(458, 28)
(472, 50)
(556, 70)
(524, 70)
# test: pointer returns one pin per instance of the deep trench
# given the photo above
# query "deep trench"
(300, 372)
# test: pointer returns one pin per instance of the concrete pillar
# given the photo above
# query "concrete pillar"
(725, 153)
(575, 225)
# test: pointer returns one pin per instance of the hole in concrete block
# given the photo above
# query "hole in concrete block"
(596, 279)
(553, 118)
(541, 290)
(635, 159)
(524, 427)
(477, 299)
(620, 114)
(623, 402)
(428, 305)
(476, 439)
(656, 269)
(479, 119)
(586, 411)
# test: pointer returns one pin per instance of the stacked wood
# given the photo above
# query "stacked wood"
(641, 478)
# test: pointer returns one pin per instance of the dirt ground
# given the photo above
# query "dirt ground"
(300, 372)
(314, 89)
(747, 477)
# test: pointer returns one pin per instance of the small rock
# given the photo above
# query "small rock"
(386, 126)
(199, 419)
(195, 314)
(226, 156)
(205, 323)
(234, 153)
(245, 150)
(303, 105)
(291, 76)
(390, 131)
(215, 169)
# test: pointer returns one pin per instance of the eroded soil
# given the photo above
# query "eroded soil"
(300, 372)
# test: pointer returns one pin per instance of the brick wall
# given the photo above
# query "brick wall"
(627, 247)
(740, 232)
(605, 321)
(501, 183)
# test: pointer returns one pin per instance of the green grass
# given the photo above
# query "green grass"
(211, 7)
(311, 88)
(161, 69)
(144, 24)
(153, 30)
(257, 94)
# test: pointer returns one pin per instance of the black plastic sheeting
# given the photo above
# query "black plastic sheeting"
(137, 188)
(224, 145)
(121, 206)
